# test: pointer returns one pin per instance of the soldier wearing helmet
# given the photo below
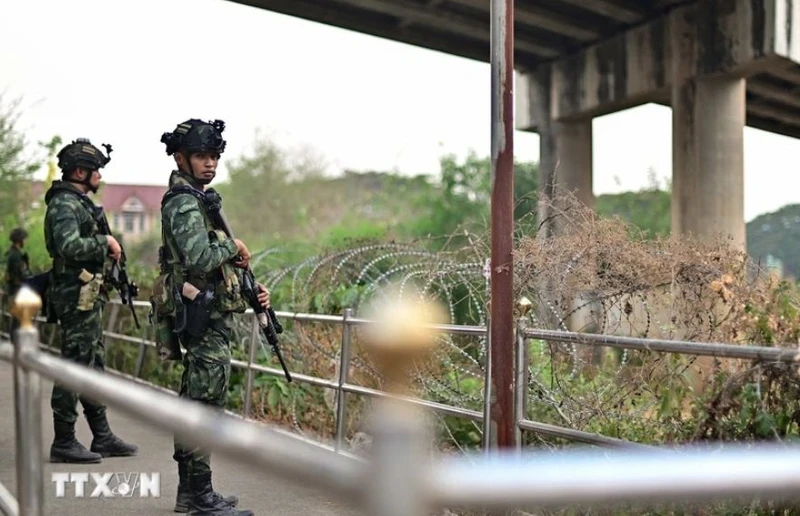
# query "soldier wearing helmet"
(199, 261)
(17, 267)
(17, 263)
(76, 295)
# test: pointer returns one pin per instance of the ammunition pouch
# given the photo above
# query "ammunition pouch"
(161, 299)
(167, 343)
(228, 290)
(163, 314)
(89, 291)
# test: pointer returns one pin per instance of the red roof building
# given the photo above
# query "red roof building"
(132, 210)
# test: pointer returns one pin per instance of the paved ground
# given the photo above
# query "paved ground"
(258, 491)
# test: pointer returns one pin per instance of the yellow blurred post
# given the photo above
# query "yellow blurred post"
(401, 438)
(28, 406)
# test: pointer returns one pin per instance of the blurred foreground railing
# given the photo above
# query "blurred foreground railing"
(401, 476)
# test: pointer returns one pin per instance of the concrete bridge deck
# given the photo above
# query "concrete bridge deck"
(261, 492)
(606, 55)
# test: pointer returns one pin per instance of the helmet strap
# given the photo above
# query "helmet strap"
(85, 182)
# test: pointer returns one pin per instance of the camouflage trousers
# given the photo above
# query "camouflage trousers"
(206, 377)
(82, 343)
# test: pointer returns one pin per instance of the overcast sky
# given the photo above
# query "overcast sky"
(123, 72)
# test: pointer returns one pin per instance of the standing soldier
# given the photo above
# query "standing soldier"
(197, 261)
(77, 294)
(17, 268)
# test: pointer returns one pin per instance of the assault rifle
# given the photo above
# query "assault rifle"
(127, 289)
(267, 319)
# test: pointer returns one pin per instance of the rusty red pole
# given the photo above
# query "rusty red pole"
(501, 327)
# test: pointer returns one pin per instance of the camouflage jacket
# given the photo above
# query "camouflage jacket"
(72, 237)
(17, 269)
(188, 232)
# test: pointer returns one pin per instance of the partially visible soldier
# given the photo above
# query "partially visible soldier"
(17, 268)
(77, 295)
(199, 259)
(17, 262)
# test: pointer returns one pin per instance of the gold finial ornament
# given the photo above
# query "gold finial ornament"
(524, 305)
(401, 332)
(26, 303)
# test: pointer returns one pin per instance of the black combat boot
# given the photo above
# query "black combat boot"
(185, 493)
(66, 448)
(204, 503)
(105, 442)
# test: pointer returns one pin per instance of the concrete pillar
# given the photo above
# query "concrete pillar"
(539, 98)
(708, 119)
(565, 151)
(566, 164)
(573, 143)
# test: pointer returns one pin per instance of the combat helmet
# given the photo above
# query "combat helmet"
(194, 136)
(82, 154)
(18, 235)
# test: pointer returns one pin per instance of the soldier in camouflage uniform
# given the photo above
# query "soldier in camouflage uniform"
(76, 296)
(17, 268)
(17, 264)
(198, 259)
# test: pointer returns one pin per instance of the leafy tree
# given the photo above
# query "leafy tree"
(274, 196)
(33, 217)
(16, 168)
(648, 209)
(255, 196)
(777, 234)
(462, 198)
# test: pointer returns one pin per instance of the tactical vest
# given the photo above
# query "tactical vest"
(63, 265)
(224, 282)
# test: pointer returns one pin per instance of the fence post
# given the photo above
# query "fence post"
(521, 372)
(401, 437)
(486, 442)
(28, 407)
(344, 366)
(112, 319)
(251, 358)
(397, 460)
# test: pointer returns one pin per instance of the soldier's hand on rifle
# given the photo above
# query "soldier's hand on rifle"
(114, 249)
(243, 259)
(263, 296)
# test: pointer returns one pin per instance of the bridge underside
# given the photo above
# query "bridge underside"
(549, 31)
(545, 29)
(720, 65)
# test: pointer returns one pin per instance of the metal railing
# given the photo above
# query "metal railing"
(342, 387)
(400, 478)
